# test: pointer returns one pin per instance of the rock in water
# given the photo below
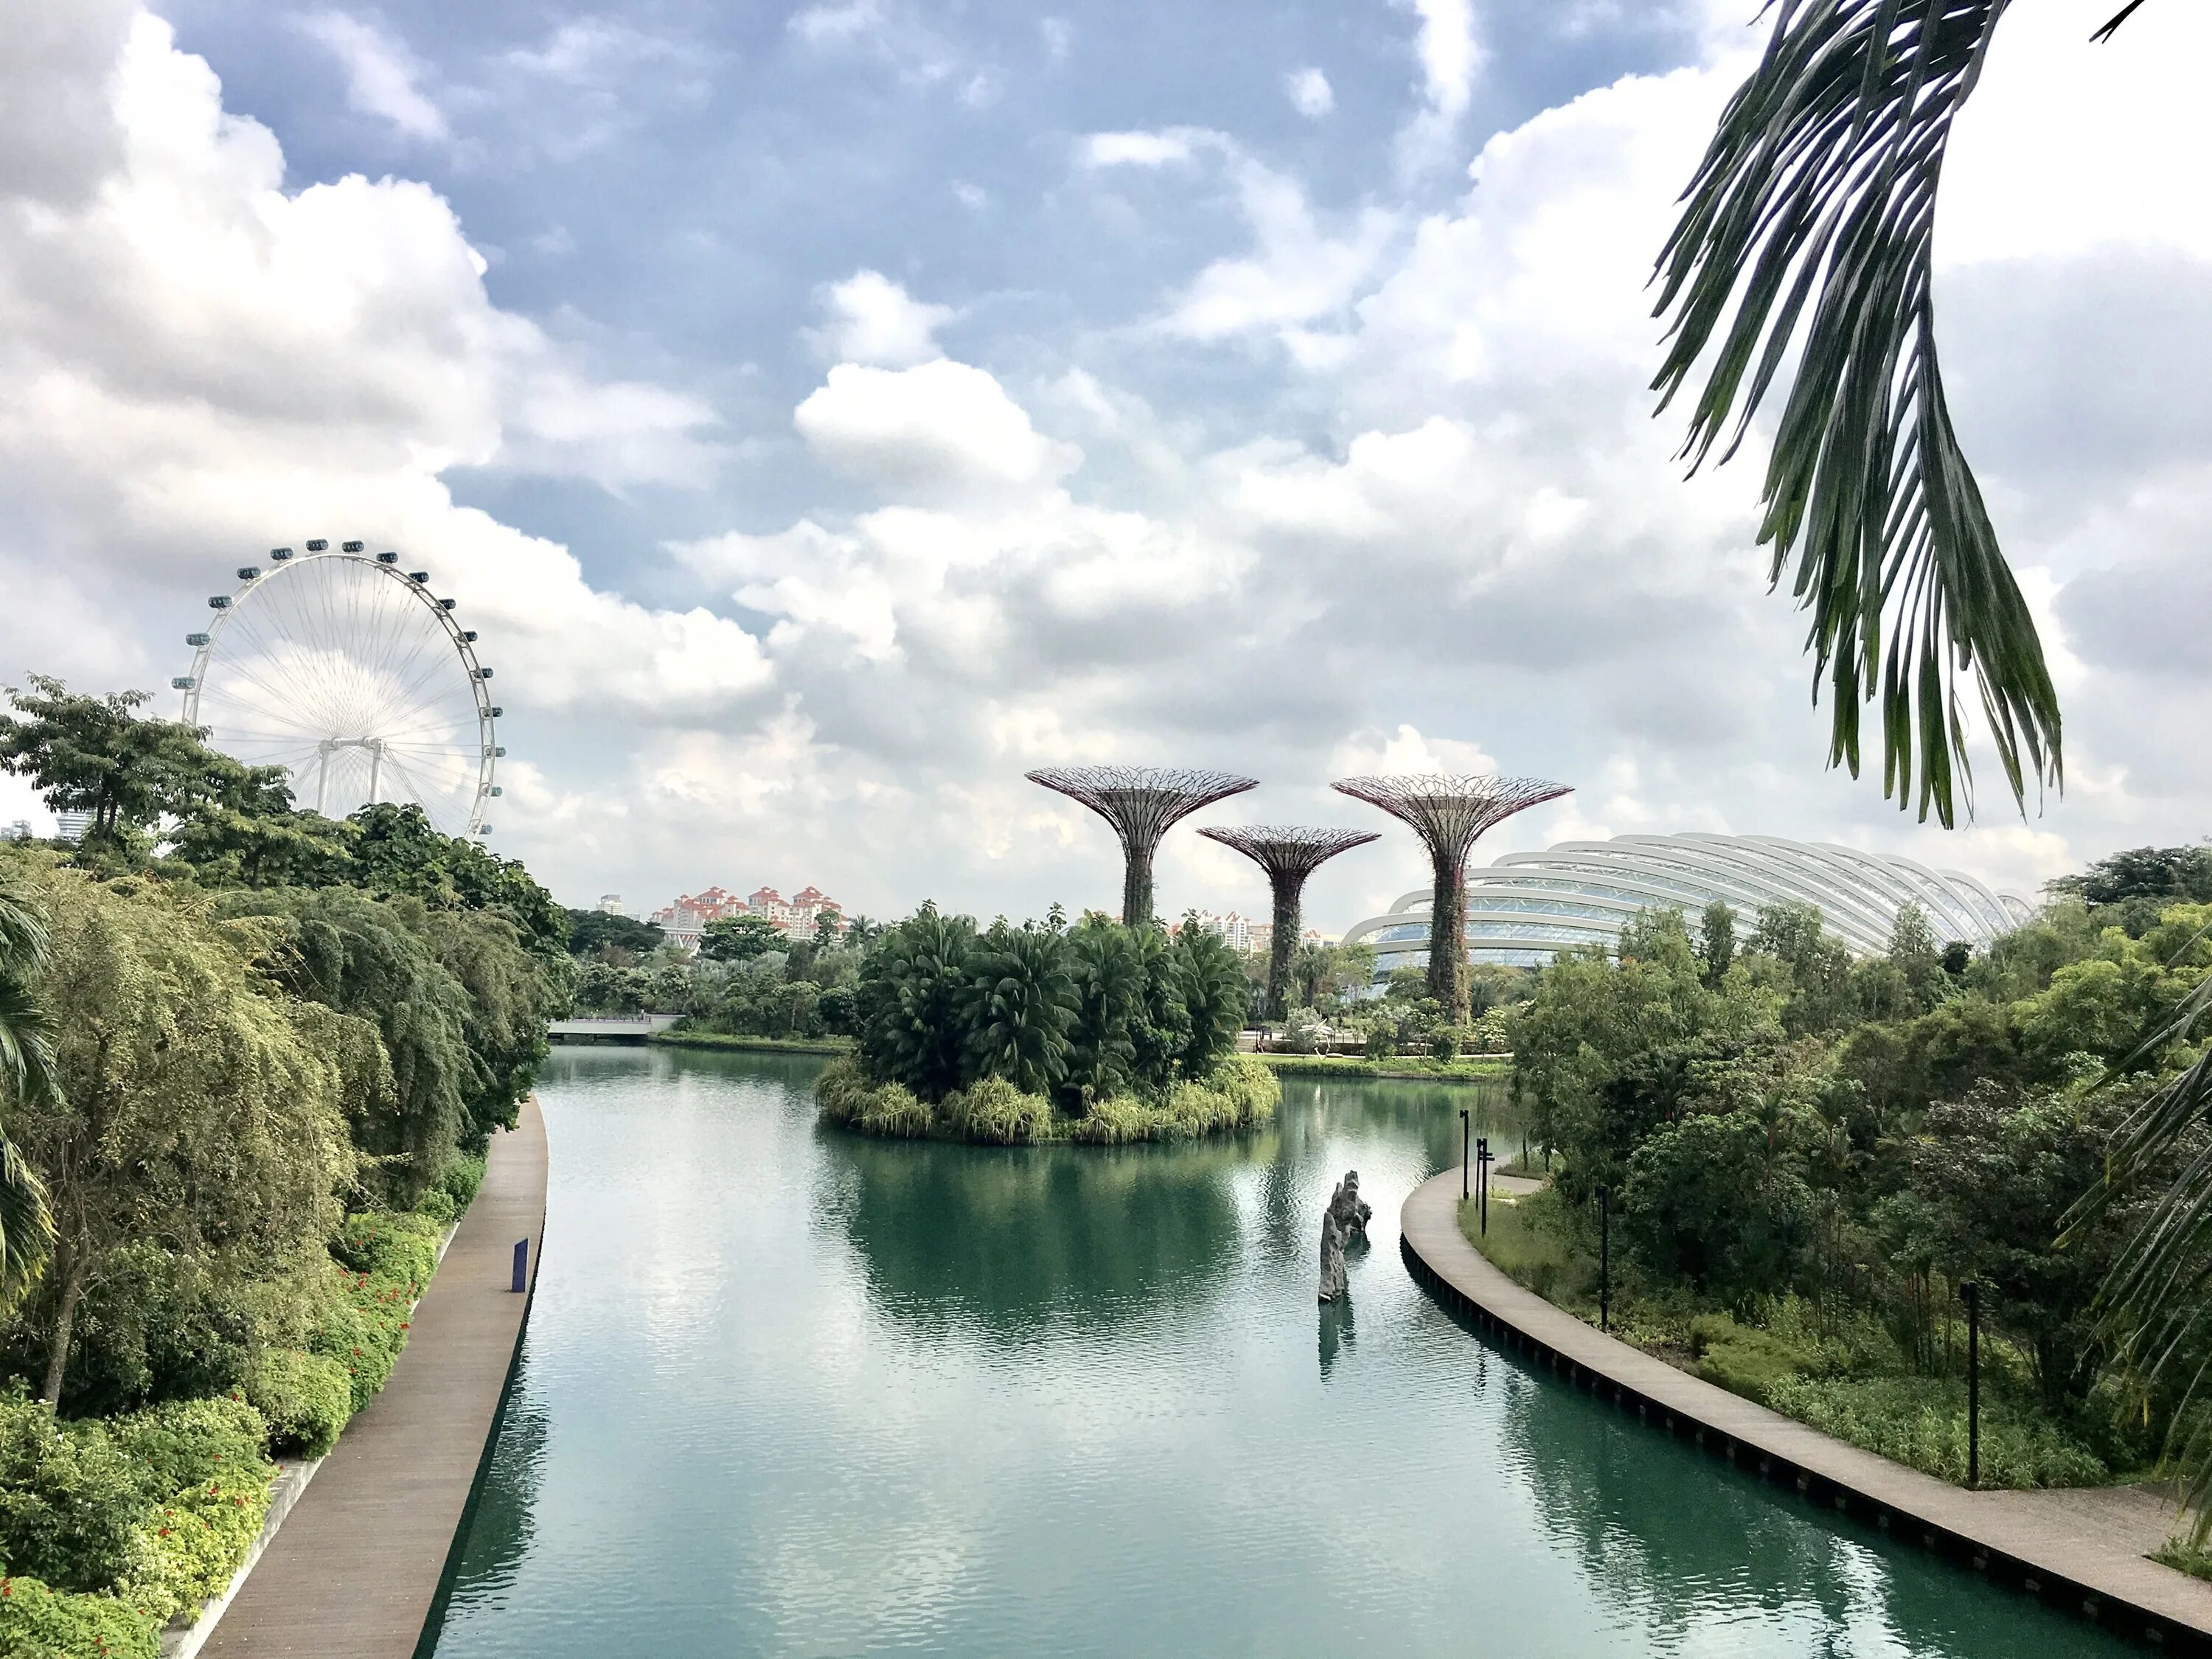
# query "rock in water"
(1346, 1216)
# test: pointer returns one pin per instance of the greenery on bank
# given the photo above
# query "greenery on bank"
(1805, 1157)
(685, 1037)
(1095, 1033)
(1480, 1068)
(250, 1059)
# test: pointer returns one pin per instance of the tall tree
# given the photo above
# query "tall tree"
(100, 756)
(1819, 190)
(739, 938)
(27, 1074)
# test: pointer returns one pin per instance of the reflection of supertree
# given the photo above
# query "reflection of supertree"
(1141, 803)
(1449, 813)
(1289, 855)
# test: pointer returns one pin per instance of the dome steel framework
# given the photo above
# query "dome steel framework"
(1526, 907)
(352, 675)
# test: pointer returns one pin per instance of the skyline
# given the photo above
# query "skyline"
(1159, 390)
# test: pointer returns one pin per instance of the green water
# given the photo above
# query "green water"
(790, 1392)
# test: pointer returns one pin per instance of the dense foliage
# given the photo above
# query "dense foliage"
(249, 1061)
(1815, 1152)
(1045, 1031)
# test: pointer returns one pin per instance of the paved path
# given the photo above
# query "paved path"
(351, 1573)
(2079, 1550)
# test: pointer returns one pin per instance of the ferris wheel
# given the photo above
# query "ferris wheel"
(351, 674)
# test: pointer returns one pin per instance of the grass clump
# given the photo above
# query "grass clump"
(2184, 1555)
(1920, 1421)
(1237, 1094)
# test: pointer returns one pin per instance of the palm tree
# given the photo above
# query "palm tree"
(27, 1073)
(1819, 190)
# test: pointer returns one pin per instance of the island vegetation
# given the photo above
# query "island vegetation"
(250, 1061)
(1016, 1034)
(1802, 1156)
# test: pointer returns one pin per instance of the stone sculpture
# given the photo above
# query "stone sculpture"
(1344, 1219)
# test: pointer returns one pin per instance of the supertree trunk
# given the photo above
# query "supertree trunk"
(1137, 888)
(1449, 813)
(1290, 894)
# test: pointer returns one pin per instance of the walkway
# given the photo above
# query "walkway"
(2081, 1551)
(352, 1572)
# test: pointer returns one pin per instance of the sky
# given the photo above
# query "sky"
(826, 413)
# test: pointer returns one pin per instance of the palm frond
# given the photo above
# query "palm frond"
(2126, 12)
(27, 1226)
(1808, 232)
(2155, 1306)
(27, 1045)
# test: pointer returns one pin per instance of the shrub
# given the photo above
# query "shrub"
(69, 1502)
(894, 1110)
(305, 1399)
(1381, 1042)
(840, 1090)
(1446, 1040)
(994, 1111)
(389, 1245)
(191, 1546)
(363, 1325)
(1742, 1358)
(191, 1442)
(1922, 1421)
(1252, 1087)
(40, 1622)
(1116, 1123)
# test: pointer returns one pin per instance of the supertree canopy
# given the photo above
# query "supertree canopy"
(1289, 853)
(1449, 813)
(1141, 803)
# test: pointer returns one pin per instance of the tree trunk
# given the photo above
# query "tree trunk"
(64, 1325)
(1448, 937)
(1285, 942)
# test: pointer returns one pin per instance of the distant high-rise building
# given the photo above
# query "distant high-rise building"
(71, 826)
(610, 903)
(19, 830)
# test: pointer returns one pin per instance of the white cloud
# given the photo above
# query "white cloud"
(1056, 36)
(936, 428)
(1448, 51)
(382, 75)
(1145, 150)
(872, 319)
(836, 24)
(1297, 272)
(1310, 93)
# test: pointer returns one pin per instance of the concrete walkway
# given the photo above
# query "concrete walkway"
(352, 1572)
(2079, 1551)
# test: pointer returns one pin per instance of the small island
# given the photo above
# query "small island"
(1010, 1036)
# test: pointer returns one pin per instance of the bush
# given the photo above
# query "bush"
(994, 1111)
(69, 1502)
(363, 1326)
(1742, 1358)
(1120, 1121)
(40, 1622)
(1922, 1421)
(305, 1399)
(1446, 1040)
(193, 1442)
(840, 1090)
(893, 1111)
(391, 1245)
(191, 1546)
(1382, 1043)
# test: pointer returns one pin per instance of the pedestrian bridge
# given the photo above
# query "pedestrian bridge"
(634, 1027)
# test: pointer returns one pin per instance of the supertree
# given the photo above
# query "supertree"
(1289, 853)
(1449, 813)
(1141, 803)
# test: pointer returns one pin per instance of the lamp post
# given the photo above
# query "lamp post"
(1604, 1259)
(1971, 1291)
(1482, 1162)
(1466, 1129)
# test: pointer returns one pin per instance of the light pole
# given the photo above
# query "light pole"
(1971, 1291)
(1466, 1129)
(1482, 1161)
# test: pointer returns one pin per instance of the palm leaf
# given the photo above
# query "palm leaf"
(2155, 1306)
(1806, 232)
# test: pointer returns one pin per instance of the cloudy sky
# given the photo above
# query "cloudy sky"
(827, 413)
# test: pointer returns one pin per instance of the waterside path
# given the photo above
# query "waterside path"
(354, 1570)
(2079, 1550)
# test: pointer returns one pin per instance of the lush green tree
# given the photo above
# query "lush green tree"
(1716, 1201)
(597, 933)
(1017, 1006)
(1213, 997)
(2161, 875)
(195, 1109)
(247, 832)
(909, 997)
(1716, 941)
(1915, 954)
(739, 938)
(1107, 968)
(1820, 1000)
(99, 756)
(27, 1073)
(1804, 257)
(396, 853)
